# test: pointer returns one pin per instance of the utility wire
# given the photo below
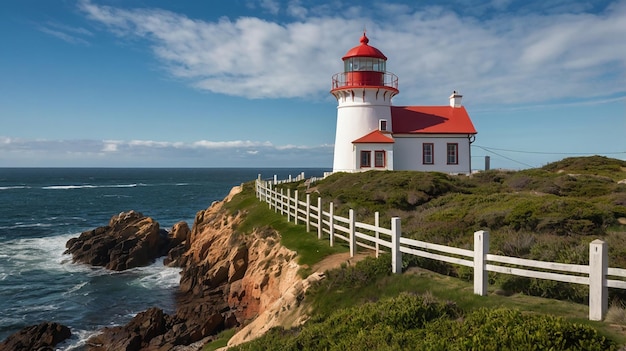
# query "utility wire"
(508, 158)
(551, 153)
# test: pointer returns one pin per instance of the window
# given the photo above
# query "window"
(379, 158)
(453, 154)
(427, 153)
(382, 125)
(366, 159)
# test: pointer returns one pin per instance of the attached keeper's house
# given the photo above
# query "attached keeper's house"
(373, 134)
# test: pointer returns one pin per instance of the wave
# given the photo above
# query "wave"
(14, 187)
(89, 186)
(78, 340)
(158, 275)
(25, 225)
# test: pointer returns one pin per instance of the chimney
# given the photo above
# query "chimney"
(455, 99)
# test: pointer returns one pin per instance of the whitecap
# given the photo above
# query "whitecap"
(157, 275)
(67, 187)
(75, 288)
(78, 340)
(14, 187)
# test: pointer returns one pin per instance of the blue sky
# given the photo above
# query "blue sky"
(242, 83)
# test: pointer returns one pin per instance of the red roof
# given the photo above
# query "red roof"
(431, 119)
(376, 137)
(364, 50)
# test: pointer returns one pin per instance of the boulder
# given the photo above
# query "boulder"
(130, 240)
(43, 336)
(135, 335)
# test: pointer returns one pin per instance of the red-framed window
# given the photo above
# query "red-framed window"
(428, 153)
(366, 159)
(453, 154)
(379, 159)
(382, 125)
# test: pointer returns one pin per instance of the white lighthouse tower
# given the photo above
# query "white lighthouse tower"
(363, 92)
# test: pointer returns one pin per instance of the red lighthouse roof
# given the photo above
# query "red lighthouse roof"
(364, 50)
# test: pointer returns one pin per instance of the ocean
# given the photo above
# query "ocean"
(42, 208)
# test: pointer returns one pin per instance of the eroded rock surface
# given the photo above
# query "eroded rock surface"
(130, 240)
(43, 336)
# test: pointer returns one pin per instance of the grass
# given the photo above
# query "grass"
(310, 250)
(220, 341)
(553, 211)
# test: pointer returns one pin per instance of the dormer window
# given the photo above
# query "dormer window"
(382, 125)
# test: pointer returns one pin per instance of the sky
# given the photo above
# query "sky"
(245, 83)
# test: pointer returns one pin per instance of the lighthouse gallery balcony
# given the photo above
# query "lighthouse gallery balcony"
(364, 79)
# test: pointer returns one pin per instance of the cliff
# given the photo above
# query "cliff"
(228, 280)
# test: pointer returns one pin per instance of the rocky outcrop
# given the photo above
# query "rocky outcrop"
(228, 278)
(130, 240)
(37, 337)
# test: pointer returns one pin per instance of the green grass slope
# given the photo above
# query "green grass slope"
(550, 213)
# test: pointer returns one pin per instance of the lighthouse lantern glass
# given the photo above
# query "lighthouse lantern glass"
(364, 64)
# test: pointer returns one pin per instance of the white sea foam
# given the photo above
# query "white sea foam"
(74, 288)
(78, 340)
(158, 275)
(89, 186)
(14, 187)
(39, 253)
(26, 225)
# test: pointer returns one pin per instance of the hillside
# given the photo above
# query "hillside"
(551, 213)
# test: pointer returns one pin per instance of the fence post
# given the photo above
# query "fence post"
(598, 291)
(377, 234)
(481, 248)
(275, 179)
(296, 207)
(352, 234)
(288, 205)
(308, 213)
(331, 224)
(396, 254)
(319, 218)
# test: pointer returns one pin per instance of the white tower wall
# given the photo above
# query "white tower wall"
(359, 112)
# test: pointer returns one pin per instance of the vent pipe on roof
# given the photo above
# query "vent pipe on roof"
(455, 99)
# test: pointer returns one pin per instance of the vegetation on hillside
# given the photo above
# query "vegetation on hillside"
(550, 213)
(364, 307)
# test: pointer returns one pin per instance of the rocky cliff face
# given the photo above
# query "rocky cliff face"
(228, 279)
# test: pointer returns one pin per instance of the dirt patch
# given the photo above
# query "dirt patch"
(335, 261)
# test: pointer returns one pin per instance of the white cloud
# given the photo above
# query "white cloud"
(27, 152)
(70, 37)
(557, 52)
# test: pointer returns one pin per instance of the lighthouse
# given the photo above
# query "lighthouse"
(363, 91)
(372, 134)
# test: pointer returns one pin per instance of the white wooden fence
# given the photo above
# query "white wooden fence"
(596, 275)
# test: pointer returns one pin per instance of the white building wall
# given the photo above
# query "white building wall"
(358, 113)
(408, 153)
(389, 156)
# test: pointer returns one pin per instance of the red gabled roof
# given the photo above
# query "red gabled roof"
(375, 137)
(431, 119)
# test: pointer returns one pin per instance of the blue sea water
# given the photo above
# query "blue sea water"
(42, 208)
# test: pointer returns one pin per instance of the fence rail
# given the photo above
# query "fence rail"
(375, 236)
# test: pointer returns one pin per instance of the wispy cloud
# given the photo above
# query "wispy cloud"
(536, 55)
(72, 35)
(143, 152)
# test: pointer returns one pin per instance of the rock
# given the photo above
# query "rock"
(135, 335)
(37, 337)
(130, 240)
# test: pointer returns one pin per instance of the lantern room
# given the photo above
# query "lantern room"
(364, 66)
